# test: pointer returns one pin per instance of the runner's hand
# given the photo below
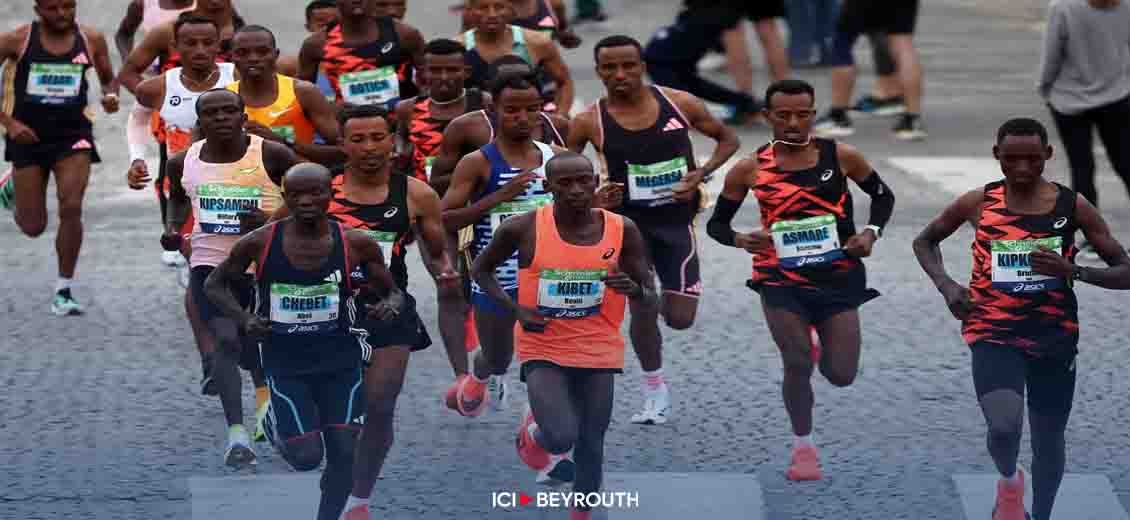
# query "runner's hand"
(261, 130)
(171, 241)
(609, 195)
(448, 280)
(518, 185)
(755, 242)
(957, 299)
(251, 219)
(569, 39)
(387, 309)
(256, 326)
(622, 283)
(138, 175)
(859, 245)
(1046, 262)
(110, 103)
(21, 133)
(685, 189)
(530, 319)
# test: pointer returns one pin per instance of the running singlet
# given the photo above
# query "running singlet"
(535, 197)
(219, 192)
(285, 116)
(479, 66)
(178, 111)
(48, 92)
(543, 19)
(373, 74)
(425, 132)
(809, 215)
(388, 223)
(1012, 305)
(152, 15)
(308, 310)
(649, 163)
(563, 282)
(549, 132)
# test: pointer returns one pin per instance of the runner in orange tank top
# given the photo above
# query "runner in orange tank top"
(578, 269)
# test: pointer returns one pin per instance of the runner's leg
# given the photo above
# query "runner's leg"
(594, 395)
(1076, 133)
(383, 381)
(790, 332)
(225, 367)
(998, 378)
(452, 308)
(30, 184)
(341, 405)
(554, 406)
(840, 340)
(496, 334)
(1051, 389)
(72, 174)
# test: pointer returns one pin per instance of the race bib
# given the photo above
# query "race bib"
(386, 239)
(286, 132)
(807, 242)
(428, 167)
(1012, 271)
(304, 309)
(570, 294)
(652, 184)
(220, 206)
(506, 210)
(370, 87)
(54, 83)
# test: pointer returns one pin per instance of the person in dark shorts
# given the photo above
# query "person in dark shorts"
(304, 319)
(896, 19)
(49, 128)
(1019, 313)
(807, 258)
(765, 16)
(642, 133)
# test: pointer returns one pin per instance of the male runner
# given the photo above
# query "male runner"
(546, 16)
(368, 60)
(807, 262)
(230, 180)
(281, 108)
(493, 37)
(320, 15)
(502, 179)
(1019, 314)
(395, 9)
(642, 133)
(50, 130)
(160, 42)
(310, 356)
(577, 265)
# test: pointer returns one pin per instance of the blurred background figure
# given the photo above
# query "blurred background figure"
(812, 25)
(589, 11)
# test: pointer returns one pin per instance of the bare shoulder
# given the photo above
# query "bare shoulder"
(12, 42)
(420, 191)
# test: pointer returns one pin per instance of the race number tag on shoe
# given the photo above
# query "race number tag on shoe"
(506, 210)
(54, 83)
(570, 294)
(220, 206)
(1012, 270)
(807, 242)
(303, 309)
(651, 184)
(386, 239)
(370, 87)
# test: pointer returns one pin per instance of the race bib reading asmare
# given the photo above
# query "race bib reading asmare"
(1012, 270)
(221, 204)
(304, 309)
(651, 184)
(370, 87)
(506, 210)
(570, 294)
(807, 242)
(54, 83)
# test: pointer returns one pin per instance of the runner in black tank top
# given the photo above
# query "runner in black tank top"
(387, 222)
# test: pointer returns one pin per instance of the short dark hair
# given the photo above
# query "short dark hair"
(318, 4)
(568, 155)
(789, 87)
(351, 111)
(511, 81)
(509, 60)
(616, 40)
(1022, 126)
(444, 47)
(200, 98)
(188, 18)
(257, 28)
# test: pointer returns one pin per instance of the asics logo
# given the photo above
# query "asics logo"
(827, 175)
(391, 212)
(608, 254)
(387, 47)
(301, 328)
(810, 260)
(1023, 287)
(1060, 223)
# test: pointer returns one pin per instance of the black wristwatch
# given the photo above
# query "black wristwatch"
(1079, 273)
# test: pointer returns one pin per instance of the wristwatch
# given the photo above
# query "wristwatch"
(1079, 273)
(878, 230)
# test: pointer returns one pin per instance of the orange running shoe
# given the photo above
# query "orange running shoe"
(471, 398)
(1010, 499)
(805, 464)
(815, 351)
(470, 333)
(528, 450)
(359, 512)
(450, 398)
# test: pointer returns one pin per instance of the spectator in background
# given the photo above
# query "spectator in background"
(589, 11)
(1085, 79)
(812, 24)
(764, 15)
(886, 97)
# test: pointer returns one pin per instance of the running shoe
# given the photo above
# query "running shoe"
(499, 392)
(450, 397)
(358, 512)
(1010, 499)
(7, 191)
(261, 421)
(910, 128)
(471, 398)
(172, 258)
(534, 456)
(561, 470)
(805, 464)
(872, 106)
(239, 453)
(65, 305)
(835, 123)
(656, 408)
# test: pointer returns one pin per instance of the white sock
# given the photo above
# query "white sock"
(803, 440)
(62, 284)
(653, 380)
(353, 501)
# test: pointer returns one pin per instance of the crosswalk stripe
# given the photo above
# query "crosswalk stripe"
(670, 496)
(1081, 497)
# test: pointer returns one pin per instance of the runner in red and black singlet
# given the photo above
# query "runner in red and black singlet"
(1019, 314)
(387, 222)
(807, 256)
(426, 131)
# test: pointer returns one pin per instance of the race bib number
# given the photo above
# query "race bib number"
(807, 242)
(54, 83)
(370, 87)
(428, 162)
(652, 184)
(506, 210)
(570, 294)
(286, 132)
(220, 205)
(1012, 270)
(304, 309)
(386, 239)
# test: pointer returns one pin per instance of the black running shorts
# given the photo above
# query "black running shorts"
(304, 405)
(673, 251)
(819, 304)
(887, 16)
(1050, 380)
(406, 329)
(574, 373)
(46, 154)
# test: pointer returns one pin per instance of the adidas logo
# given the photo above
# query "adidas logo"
(672, 125)
(82, 144)
(81, 59)
(548, 21)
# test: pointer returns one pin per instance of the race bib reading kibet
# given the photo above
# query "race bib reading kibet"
(1012, 269)
(304, 309)
(370, 87)
(506, 210)
(221, 204)
(806, 242)
(652, 184)
(54, 83)
(570, 294)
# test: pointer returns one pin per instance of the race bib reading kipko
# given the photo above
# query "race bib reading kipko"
(651, 184)
(1012, 270)
(220, 206)
(506, 210)
(303, 309)
(570, 294)
(807, 242)
(370, 87)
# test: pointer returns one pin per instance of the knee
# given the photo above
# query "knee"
(679, 320)
(840, 378)
(304, 453)
(799, 364)
(70, 209)
(33, 226)
(557, 440)
(340, 444)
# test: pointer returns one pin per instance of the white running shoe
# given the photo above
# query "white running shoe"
(63, 304)
(239, 453)
(184, 276)
(499, 392)
(656, 407)
(172, 258)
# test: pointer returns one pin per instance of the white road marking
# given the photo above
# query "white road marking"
(1081, 497)
(664, 496)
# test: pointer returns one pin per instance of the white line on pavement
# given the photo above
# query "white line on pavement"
(1081, 497)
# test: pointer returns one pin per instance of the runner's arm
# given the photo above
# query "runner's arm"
(457, 212)
(310, 55)
(179, 204)
(323, 115)
(217, 287)
(403, 114)
(100, 54)
(734, 192)
(702, 120)
(505, 242)
(367, 253)
(549, 56)
(11, 44)
(413, 43)
(582, 131)
(151, 92)
(856, 167)
(563, 125)
(1095, 229)
(287, 65)
(450, 152)
(141, 57)
(428, 212)
(633, 262)
(927, 246)
(277, 159)
(123, 38)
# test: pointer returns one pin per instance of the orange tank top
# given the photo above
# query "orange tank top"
(285, 116)
(563, 282)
